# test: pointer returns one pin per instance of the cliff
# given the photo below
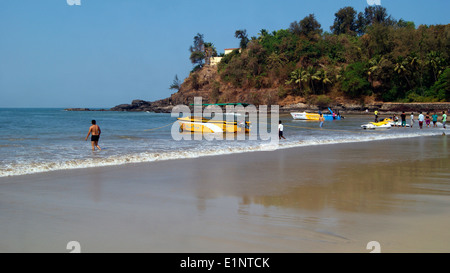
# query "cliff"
(206, 83)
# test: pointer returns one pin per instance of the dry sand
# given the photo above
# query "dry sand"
(327, 198)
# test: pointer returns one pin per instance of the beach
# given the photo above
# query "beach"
(318, 198)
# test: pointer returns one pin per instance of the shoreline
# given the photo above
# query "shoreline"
(161, 106)
(173, 155)
(325, 198)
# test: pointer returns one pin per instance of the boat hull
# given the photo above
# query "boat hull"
(201, 125)
(313, 116)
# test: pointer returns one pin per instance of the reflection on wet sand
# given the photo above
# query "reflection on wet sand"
(367, 179)
(325, 198)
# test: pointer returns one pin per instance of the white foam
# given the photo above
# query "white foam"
(39, 167)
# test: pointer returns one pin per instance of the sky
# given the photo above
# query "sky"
(107, 52)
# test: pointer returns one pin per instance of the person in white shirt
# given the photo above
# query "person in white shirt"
(280, 130)
(412, 119)
(421, 119)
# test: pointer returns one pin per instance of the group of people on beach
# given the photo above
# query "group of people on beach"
(427, 119)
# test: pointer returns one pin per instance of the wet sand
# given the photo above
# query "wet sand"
(325, 198)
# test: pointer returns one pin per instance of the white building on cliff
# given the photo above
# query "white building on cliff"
(214, 61)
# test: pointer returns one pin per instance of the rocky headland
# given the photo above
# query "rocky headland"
(206, 83)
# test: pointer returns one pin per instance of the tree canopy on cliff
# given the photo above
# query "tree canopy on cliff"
(366, 54)
(201, 51)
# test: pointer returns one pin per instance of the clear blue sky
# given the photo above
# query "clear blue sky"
(108, 52)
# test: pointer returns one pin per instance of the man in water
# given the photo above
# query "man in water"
(95, 131)
(376, 115)
(321, 120)
(412, 119)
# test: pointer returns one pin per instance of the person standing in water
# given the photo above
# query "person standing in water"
(321, 120)
(412, 119)
(427, 119)
(434, 117)
(444, 119)
(421, 119)
(403, 116)
(95, 131)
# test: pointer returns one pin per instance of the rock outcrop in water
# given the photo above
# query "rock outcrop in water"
(84, 109)
(160, 106)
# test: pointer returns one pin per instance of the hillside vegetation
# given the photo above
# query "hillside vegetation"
(365, 57)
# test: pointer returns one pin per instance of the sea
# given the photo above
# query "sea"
(34, 140)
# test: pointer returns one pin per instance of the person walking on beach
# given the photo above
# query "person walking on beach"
(444, 119)
(435, 118)
(95, 131)
(412, 120)
(321, 120)
(280, 130)
(421, 119)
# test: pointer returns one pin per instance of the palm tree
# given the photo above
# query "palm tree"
(436, 62)
(415, 65)
(401, 67)
(242, 35)
(316, 76)
(210, 51)
(324, 79)
(263, 33)
(376, 65)
(296, 77)
(310, 76)
(276, 61)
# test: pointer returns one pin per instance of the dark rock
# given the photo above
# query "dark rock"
(77, 109)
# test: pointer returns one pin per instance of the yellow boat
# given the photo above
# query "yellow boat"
(204, 125)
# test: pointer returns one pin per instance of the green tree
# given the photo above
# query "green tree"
(242, 35)
(375, 70)
(345, 22)
(402, 23)
(402, 69)
(308, 27)
(299, 76)
(324, 79)
(198, 50)
(436, 63)
(441, 88)
(354, 80)
(377, 15)
(176, 84)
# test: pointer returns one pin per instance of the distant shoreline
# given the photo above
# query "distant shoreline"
(387, 107)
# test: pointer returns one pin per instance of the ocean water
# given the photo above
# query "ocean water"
(42, 140)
